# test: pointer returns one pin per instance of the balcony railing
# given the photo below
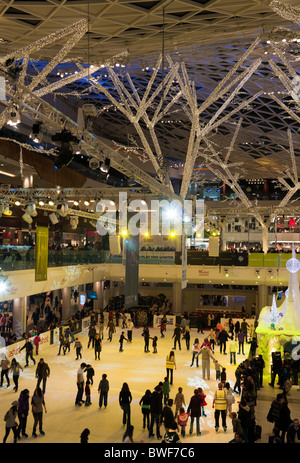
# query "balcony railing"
(23, 258)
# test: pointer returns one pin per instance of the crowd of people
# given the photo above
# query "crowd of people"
(175, 416)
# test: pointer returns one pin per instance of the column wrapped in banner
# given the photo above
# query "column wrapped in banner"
(41, 255)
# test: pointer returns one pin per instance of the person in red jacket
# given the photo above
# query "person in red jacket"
(36, 342)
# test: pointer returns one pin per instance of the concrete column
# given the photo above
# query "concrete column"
(223, 239)
(262, 297)
(177, 298)
(66, 303)
(20, 306)
(97, 289)
(265, 239)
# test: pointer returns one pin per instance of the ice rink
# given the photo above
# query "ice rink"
(64, 422)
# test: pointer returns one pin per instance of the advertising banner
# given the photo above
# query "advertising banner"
(131, 271)
(41, 259)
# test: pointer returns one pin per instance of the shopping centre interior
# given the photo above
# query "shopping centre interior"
(179, 119)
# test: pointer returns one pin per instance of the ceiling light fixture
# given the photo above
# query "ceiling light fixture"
(105, 166)
(14, 117)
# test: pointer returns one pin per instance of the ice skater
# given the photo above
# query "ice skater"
(87, 390)
(121, 340)
(97, 346)
(78, 347)
(103, 389)
(29, 351)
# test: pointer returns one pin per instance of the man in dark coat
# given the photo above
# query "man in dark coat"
(194, 409)
(156, 411)
(168, 415)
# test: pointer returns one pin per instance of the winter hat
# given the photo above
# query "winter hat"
(15, 403)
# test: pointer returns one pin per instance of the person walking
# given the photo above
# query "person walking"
(111, 330)
(241, 340)
(36, 342)
(223, 338)
(28, 352)
(146, 335)
(38, 404)
(10, 421)
(15, 368)
(167, 415)
(232, 351)
(121, 340)
(101, 325)
(187, 336)
(244, 328)
(61, 343)
(92, 333)
(206, 354)
(170, 366)
(220, 404)
(97, 346)
(130, 327)
(212, 339)
(78, 347)
(195, 352)
(42, 372)
(230, 397)
(155, 411)
(194, 409)
(90, 373)
(87, 391)
(103, 389)
(145, 403)
(23, 410)
(166, 390)
(5, 363)
(182, 419)
(80, 384)
(179, 401)
(176, 336)
(125, 399)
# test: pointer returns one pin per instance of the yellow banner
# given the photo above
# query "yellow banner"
(41, 255)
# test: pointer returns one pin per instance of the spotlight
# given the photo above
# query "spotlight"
(54, 219)
(62, 209)
(14, 117)
(226, 272)
(17, 203)
(27, 218)
(31, 209)
(76, 203)
(94, 163)
(65, 156)
(74, 222)
(86, 203)
(6, 210)
(41, 203)
(36, 132)
(105, 166)
(51, 203)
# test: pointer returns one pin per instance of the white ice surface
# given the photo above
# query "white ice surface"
(64, 422)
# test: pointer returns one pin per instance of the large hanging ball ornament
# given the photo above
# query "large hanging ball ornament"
(293, 265)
